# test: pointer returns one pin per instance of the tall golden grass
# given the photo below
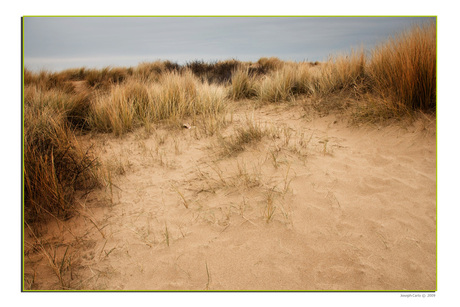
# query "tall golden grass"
(401, 72)
(173, 98)
(55, 164)
(243, 84)
(404, 68)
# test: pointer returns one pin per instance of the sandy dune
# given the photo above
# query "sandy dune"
(315, 205)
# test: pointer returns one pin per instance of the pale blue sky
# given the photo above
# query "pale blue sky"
(57, 43)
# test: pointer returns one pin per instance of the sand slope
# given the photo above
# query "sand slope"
(315, 205)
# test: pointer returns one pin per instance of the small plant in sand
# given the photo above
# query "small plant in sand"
(59, 265)
(286, 213)
(184, 201)
(325, 150)
(246, 178)
(208, 274)
(242, 206)
(215, 167)
(287, 181)
(110, 185)
(250, 133)
(270, 206)
(274, 157)
(29, 280)
(166, 235)
(301, 146)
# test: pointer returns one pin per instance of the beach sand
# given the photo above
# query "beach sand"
(317, 204)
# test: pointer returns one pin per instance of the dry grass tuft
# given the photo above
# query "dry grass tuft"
(243, 85)
(55, 165)
(172, 99)
(404, 68)
(217, 72)
(270, 64)
(250, 133)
